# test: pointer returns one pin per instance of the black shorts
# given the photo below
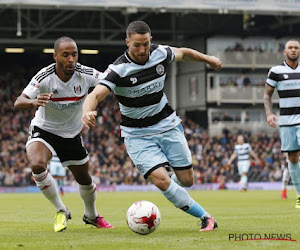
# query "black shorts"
(70, 151)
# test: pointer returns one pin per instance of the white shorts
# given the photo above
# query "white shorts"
(243, 166)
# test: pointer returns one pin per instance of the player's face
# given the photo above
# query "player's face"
(66, 58)
(292, 50)
(139, 47)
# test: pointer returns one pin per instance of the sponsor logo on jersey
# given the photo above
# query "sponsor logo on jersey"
(77, 89)
(140, 168)
(160, 69)
(34, 84)
(285, 76)
(133, 80)
(36, 134)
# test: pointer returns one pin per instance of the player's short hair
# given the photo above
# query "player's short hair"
(62, 40)
(291, 40)
(137, 27)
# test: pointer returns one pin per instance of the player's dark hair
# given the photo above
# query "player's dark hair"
(137, 27)
(62, 40)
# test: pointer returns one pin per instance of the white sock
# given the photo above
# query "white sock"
(46, 183)
(88, 193)
(285, 178)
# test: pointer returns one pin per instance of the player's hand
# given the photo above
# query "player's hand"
(89, 119)
(271, 119)
(42, 100)
(215, 63)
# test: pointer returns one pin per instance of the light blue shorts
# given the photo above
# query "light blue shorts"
(151, 152)
(56, 169)
(290, 138)
(243, 166)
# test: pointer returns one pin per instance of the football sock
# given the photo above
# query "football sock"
(46, 183)
(244, 180)
(285, 178)
(88, 194)
(175, 179)
(295, 174)
(181, 199)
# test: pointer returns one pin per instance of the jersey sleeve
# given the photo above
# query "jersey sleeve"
(109, 78)
(96, 78)
(272, 78)
(170, 53)
(32, 90)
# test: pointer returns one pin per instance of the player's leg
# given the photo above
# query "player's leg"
(181, 198)
(294, 170)
(38, 155)
(290, 142)
(148, 156)
(285, 181)
(243, 168)
(88, 193)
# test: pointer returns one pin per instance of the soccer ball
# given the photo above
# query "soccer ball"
(143, 217)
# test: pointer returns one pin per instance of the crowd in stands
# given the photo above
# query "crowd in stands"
(109, 161)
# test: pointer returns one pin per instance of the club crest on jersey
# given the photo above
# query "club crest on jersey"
(77, 89)
(160, 69)
(133, 80)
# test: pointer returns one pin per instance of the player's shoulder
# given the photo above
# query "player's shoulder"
(44, 73)
(83, 69)
(278, 68)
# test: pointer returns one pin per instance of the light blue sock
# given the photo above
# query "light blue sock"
(295, 174)
(244, 180)
(181, 199)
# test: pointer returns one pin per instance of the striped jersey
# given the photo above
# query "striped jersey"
(140, 91)
(287, 82)
(62, 116)
(243, 150)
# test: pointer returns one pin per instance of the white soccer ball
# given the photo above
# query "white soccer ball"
(143, 217)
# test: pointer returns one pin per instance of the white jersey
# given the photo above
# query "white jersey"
(243, 151)
(62, 116)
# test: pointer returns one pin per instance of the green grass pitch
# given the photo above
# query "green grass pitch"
(26, 222)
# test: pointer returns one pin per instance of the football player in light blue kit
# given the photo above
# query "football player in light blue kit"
(243, 151)
(58, 172)
(286, 79)
(153, 133)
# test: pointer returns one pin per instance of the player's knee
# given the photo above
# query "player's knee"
(38, 167)
(188, 182)
(161, 183)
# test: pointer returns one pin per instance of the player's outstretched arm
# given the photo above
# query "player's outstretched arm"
(89, 114)
(271, 118)
(23, 102)
(191, 55)
(233, 156)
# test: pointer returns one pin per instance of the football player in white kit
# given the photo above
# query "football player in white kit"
(243, 151)
(57, 92)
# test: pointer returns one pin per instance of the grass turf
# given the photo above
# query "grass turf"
(26, 221)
